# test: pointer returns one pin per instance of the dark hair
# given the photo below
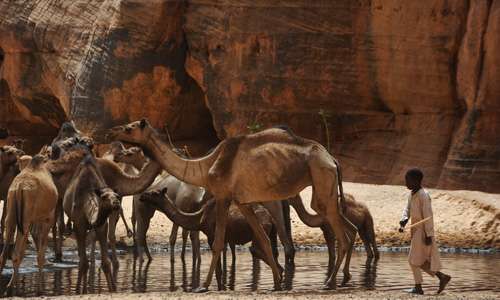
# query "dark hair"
(415, 173)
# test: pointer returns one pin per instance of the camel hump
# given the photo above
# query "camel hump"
(225, 159)
(36, 161)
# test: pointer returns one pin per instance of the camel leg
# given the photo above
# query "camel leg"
(101, 233)
(43, 236)
(275, 209)
(330, 243)
(347, 274)
(221, 210)
(195, 245)
(263, 241)
(2, 224)
(10, 229)
(129, 231)
(143, 217)
(224, 258)
(57, 230)
(325, 202)
(185, 234)
(173, 239)
(17, 258)
(233, 254)
(112, 221)
(83, 265)
(93, 241)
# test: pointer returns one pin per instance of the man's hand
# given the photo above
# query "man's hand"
(428, 240)
(402, 224)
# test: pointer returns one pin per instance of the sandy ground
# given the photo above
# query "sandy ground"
(462, 218)
(282, 295)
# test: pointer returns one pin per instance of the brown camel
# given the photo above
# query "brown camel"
(9, 168)
(127, 159)
(88, 202)
(186, 197)
(66, 162)
(239, 231)
(270, 165)
(31, 205)
(358, 214)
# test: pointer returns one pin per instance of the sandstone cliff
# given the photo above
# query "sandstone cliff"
(405, 83)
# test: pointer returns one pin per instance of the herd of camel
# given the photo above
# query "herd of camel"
(240, 192)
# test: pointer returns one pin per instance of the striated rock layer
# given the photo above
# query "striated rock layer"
(403, 83)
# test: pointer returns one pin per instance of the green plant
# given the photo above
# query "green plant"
(324, 118)
(254, 127)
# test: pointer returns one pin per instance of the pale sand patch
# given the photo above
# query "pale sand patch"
(462, 218)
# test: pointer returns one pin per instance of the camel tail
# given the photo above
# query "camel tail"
(341, 203)
(18, 209)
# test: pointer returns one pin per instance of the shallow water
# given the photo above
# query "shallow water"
(470, 273)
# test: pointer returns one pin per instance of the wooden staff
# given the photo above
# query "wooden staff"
(419, 222)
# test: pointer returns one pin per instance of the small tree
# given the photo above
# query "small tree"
(324, 118)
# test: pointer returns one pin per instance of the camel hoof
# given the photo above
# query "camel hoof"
(346, 279)
(329, 286)
(277, 288)
(200, 290)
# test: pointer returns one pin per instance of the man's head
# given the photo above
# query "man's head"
(413, 179)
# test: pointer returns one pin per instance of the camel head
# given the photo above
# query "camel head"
(9, 155)
(109, 200)
(154, 197)
(132, 156)
(137, 132)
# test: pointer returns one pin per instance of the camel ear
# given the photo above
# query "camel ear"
(144, 123)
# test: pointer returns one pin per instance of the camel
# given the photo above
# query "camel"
(239, 231)
(9, 168)
(358, 214)
(127, 159)
(67, 160)
(190, 198)
(88, 202)
(269, 165)
(31, 205)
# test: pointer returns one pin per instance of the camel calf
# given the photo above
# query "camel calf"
(88, 202)
(238, 232)
(358, 214)
(31, 204)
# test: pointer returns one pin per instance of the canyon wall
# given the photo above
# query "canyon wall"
(402, 83)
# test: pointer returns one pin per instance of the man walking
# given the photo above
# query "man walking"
(424, 254)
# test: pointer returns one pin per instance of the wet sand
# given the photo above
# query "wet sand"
(464, 219)
(283, 295)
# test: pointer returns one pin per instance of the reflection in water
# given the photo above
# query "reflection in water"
(369, 276)
(391, 272)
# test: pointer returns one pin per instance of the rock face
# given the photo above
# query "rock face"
(404, 83)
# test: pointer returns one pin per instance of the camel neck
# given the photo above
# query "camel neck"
(192, 171)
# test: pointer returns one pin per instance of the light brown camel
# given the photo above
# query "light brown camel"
(238, 231)
(186, 197)
(88, 201)
(31, 204)
(358, 214)
(63, 167)
(127, 159)
(270, 165)
(9, 168)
